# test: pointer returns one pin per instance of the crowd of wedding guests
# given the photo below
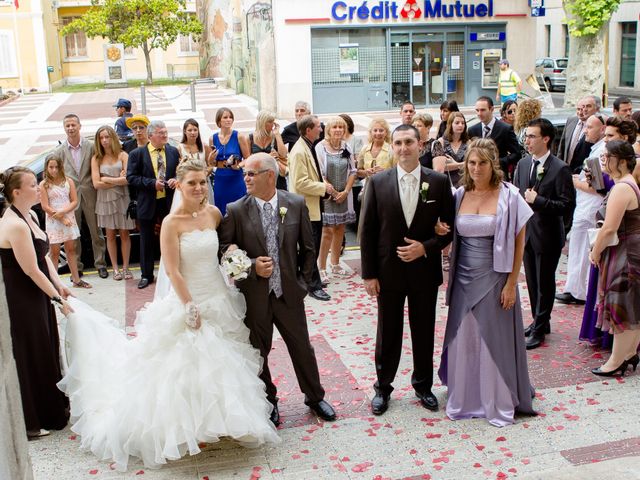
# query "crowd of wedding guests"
(492, 198)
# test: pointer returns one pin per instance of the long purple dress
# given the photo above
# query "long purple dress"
(484, 360)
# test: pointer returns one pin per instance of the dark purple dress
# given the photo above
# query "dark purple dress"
(36, 344)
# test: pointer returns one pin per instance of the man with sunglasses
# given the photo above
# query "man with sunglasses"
(273, 227)
(138, 125)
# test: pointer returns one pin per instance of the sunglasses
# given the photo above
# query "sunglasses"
(511, 112)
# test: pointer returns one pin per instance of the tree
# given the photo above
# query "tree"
(587, 21)
(146, 24)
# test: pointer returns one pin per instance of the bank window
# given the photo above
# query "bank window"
(628, 56)
(187, 45)
(8, 67)
(75, 44)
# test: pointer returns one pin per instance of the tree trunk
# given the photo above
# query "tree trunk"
(585, 72)
(147, 59)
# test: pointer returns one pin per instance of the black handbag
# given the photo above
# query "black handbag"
(132, 210)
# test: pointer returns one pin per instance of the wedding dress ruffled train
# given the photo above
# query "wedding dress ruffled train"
(159, 395)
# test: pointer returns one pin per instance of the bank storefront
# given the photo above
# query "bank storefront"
(374, 55)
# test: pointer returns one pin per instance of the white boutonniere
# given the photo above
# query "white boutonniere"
(424, 189)
(540, 172)
(283, 212)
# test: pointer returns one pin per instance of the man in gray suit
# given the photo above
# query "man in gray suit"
(574, 129)
(273, 227)
(76, 152)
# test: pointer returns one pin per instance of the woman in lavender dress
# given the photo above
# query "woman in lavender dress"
(484, 362)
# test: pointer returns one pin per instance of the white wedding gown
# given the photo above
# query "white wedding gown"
(157, 396)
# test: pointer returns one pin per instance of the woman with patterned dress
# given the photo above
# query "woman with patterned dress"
(108, 173)
(448, 151)
(59, 200)
(484, 360)
(229, 149)
(338, 168)
(619, 282)
(32, 286)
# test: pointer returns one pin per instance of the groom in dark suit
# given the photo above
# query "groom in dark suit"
(273, 227)
(400, 255)
(546, 184)
(152, 172)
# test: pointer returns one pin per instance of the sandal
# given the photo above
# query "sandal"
(81, 284)
(117, 275)
(338, 270)
(324, 277)
(127, 274)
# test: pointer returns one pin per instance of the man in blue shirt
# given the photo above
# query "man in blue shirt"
(123, 109)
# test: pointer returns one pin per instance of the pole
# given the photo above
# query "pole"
(16, 49)
(143, 98)
(192, 87)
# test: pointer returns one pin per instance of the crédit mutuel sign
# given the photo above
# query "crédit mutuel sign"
(409, 10)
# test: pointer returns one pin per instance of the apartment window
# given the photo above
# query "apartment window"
(8, 67)
(628, 56)
(75, 44)
(187, 45)
(565, 31)
(547, 40)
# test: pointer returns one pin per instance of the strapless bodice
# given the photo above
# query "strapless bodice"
(199, 263)
(475, 225)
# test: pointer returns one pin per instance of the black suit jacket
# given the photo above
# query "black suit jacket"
(141, 176)
(509, 149)
(383, 228)
(556, 200)
(242, 226)
(582, 151)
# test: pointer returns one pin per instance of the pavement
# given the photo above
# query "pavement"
(587, 427)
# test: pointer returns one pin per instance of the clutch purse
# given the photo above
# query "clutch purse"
(132, 210)
(593, 234)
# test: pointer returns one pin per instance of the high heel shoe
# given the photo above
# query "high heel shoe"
(633, 361)
(621, 370)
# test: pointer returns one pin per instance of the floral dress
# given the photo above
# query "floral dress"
(57, 231)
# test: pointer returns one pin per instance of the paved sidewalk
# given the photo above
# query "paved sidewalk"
(587, 428)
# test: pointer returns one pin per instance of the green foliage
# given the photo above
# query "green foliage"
(137, 23)
(587, 17)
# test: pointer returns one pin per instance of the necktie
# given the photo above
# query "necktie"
(577, 133)
(534, 173)
(270, 227)
(162, 168)
(486, 131)
(408, 208)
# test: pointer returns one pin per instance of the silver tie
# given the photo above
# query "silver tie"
(270, 227)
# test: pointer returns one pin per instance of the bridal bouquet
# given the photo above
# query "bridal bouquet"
(236, 264)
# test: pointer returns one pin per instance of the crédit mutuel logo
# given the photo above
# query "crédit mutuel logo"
(409, 10)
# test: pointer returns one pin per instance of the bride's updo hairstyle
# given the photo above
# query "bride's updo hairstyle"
(192, 165)
(485, 149)
(11, 179)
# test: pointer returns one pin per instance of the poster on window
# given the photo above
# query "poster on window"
(349, 58)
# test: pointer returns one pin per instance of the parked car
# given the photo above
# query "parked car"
(551, 71)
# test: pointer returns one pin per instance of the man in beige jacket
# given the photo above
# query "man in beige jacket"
(305, 179)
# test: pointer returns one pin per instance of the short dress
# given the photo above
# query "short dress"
(228, 182)
(336, 169)
(112, 203)
(57, 231)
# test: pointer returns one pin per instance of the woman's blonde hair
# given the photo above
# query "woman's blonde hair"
(48, 180)
(425, 118)
(485, 149)
(527, 110)
(262, 118)
(116, 148)
(333, 121)
(379, 121)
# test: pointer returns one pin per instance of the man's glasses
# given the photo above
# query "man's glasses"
(253, 173)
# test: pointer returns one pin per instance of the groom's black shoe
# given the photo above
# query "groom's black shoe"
(144, 282)
(275, 416)
(319, 294)
(379, 404)
(323, 410)
(534, 341)
(529, 329)
(428, 400)
(568, 299)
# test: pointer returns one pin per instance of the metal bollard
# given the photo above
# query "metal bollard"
(143, 98)
(193, 95)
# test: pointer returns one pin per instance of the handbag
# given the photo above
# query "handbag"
(132, 210)
(593, 234)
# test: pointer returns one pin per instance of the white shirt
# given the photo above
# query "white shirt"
(490, 125)
(542, 160)
(273, 202)
(588, 203)
(410, 200)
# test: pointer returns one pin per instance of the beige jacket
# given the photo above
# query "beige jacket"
(305, 180)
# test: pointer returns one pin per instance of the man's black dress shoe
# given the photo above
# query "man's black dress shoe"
(428, 400)
(534, 341)
(275, 416)
(319, 294)
(144, 283)
(568, 299)
(323, 410)
(102, 272)
(529, 329)
(379, 404)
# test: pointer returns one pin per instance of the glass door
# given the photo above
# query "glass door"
(454, 67)
(427, 68)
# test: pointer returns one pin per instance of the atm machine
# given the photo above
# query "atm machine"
(491, 67)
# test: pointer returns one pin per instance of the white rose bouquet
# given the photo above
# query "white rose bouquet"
(236, 264)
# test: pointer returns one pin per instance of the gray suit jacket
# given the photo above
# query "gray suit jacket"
(565, 142)
(82, 178)
(242, 225)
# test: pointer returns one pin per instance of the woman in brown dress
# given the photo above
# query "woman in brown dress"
(32, 287)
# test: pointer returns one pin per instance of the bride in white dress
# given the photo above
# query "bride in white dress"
(190, 375)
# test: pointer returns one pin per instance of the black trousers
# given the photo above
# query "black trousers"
(316, 230)
(540, 271)
(422, 318)
(147, 238)
(291, 322)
